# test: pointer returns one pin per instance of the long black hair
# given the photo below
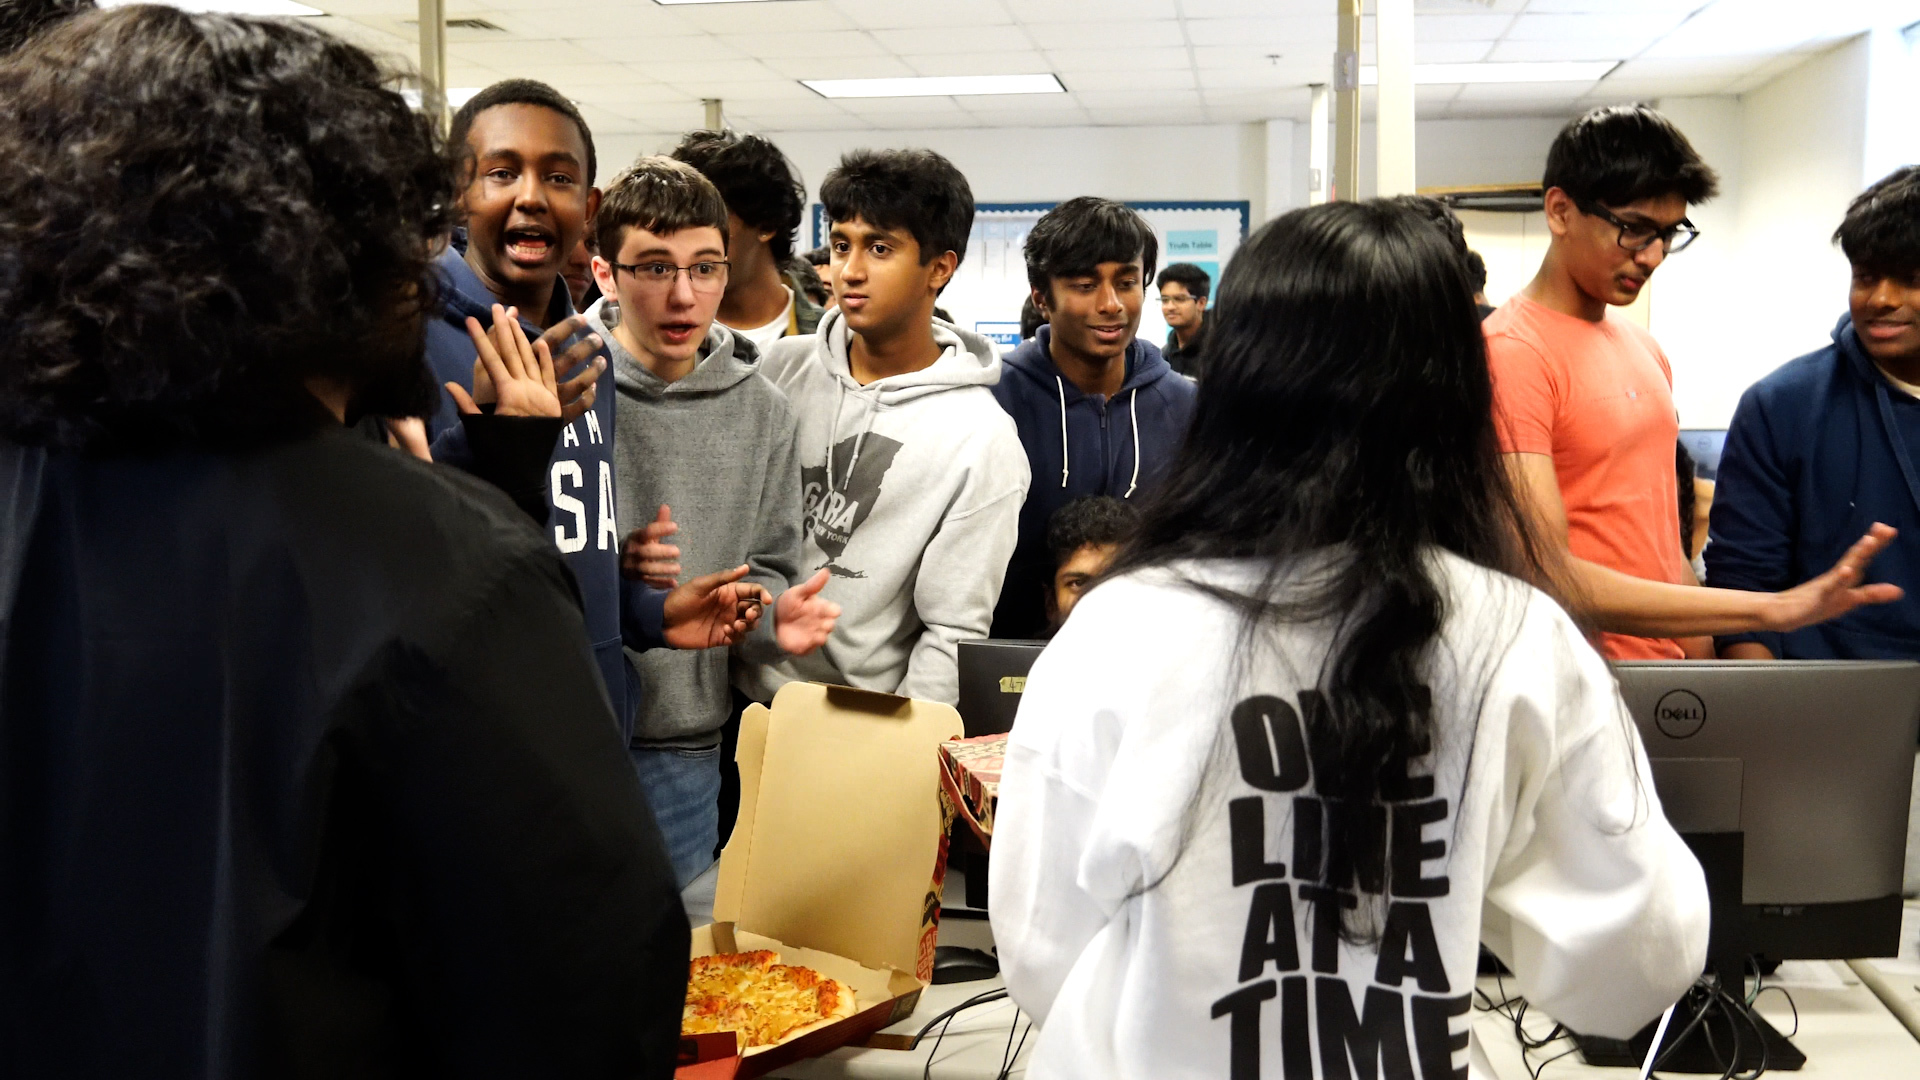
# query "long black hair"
(1347, 416)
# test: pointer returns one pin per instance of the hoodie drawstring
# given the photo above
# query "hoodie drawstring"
(1061, 387)
(859, 441)
(1133, 413)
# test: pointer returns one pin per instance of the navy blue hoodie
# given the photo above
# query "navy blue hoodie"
(1077, 445)
(1817, 452)
(580, 485)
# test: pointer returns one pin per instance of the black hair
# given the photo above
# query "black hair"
(820, 256)
(661, 196)
(1080, 234)
(1091, 519)
(1195, 279)
(519, 92)
(21, 19)
(802, 276)
(200, 213)
(1685, 471)
(1624, 153)
(760, 185)
(1030, 318)
(1881, 232)
(1347, 415)
(1477, 272)
(915, 190)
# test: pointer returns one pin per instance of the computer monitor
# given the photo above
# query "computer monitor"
(993, 675)
(1790, 780)
(1705, 445)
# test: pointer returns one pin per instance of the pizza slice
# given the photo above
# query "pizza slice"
(759, 998)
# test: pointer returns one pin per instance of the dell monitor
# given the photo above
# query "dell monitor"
(993, 674)
(1790, 780)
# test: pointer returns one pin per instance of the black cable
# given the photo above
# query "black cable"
(1011, 1054)
(977, 999)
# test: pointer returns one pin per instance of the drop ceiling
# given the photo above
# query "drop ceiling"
(637, 66)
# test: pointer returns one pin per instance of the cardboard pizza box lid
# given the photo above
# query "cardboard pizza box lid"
(839, 845)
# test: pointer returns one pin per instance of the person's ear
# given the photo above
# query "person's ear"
(941, 270)
(593, 205)
(603, 275)
(1200, 304)
(1040, 303)
(1559, 209)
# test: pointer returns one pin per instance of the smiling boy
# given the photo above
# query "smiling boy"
(527, 168)
(911, 476)
(1828, 443)
(701, 431)
(1584, 405)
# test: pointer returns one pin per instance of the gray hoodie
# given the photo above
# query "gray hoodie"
(717, 447)
(914, 516)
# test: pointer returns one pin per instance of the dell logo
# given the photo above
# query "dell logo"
(1680, 714)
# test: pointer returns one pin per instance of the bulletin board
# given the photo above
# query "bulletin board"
(987, 291)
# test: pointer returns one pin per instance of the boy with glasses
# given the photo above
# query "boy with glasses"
(702, 432)
(1584, 406)
(1183, 304)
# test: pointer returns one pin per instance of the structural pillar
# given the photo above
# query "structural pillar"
(433, 62)
(1317, 178)
(716, 116)
(1346, 103)
(1393, 97)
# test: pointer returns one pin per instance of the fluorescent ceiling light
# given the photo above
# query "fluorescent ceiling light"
(456, 96)
(1430, 74)
(230, 7)
(935, 86)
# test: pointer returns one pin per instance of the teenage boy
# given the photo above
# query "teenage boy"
(528, 165)
(1585, 407)
(1828, 443)
(701, 431)
(911, 476)
(764, 202)
(1083, 538)
(1099, 411)
(1183, 304)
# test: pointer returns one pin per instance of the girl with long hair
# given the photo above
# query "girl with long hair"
(1315, 736)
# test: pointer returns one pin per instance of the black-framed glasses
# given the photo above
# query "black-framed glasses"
(1634, 237)
(705, 274)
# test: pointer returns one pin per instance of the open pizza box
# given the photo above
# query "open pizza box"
(839, 854)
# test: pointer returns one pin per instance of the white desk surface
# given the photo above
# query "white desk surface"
(1845, 1030)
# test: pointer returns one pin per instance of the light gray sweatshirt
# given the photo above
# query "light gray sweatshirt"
(912, 491)
(717, 447)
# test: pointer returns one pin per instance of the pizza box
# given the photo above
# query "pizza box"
(839, 854)
(970, 772)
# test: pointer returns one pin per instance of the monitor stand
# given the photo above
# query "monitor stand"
(1709, 1045)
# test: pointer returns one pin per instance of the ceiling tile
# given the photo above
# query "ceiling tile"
(1139, 99)
(1528, 52)
(703, 48)
(816, 45)
(1680, 8)
(1697, 67)
(1019, 62)
(898, 14)
(947, 39)
(1530, 93)
(1644, 26)
(1451, 52)
(1458, 27)
(569, 77)
(1105, 34)
(635, 92)
(706, 72)
(1233, 9)
(1036, 11)
(1141, 117)
(1147, 59)
(512, 55)
(1172, 79)
(1277, 32)
(797, 16)
(841, 67)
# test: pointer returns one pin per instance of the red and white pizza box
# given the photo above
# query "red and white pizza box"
(970, 769)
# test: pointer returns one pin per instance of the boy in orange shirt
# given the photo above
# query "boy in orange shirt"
(1584, 402)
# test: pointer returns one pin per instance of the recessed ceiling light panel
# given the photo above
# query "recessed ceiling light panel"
(936, 86)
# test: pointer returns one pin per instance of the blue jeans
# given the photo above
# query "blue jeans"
(683, 789)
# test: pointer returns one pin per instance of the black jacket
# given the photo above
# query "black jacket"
(306, 770)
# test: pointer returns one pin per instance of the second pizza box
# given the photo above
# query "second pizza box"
(839, 855)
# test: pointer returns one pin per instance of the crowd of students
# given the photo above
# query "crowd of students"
(394, 530)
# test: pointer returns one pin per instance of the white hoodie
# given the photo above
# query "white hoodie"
(1154, 933)
(917, 515)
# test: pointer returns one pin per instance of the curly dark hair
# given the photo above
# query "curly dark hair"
(1082, 233)
(200, 214)
(758, 182)
(518, 92)
(21, 19)
(915, 190)
(1881, 232)
(1620, 154)
(1090, 519)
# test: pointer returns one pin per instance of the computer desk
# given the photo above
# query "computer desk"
(1846, 1030)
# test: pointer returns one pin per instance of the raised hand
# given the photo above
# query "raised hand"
(1837, 591)
(803, 619)
(576, 394)
(518, 375)
(713, 611)
(409, 433)
(648, 558)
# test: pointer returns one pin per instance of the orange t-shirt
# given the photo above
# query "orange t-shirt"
(1598, 399)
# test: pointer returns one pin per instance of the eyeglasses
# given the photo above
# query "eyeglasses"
(1165, 300)
(1641, 237)
(707, 275)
